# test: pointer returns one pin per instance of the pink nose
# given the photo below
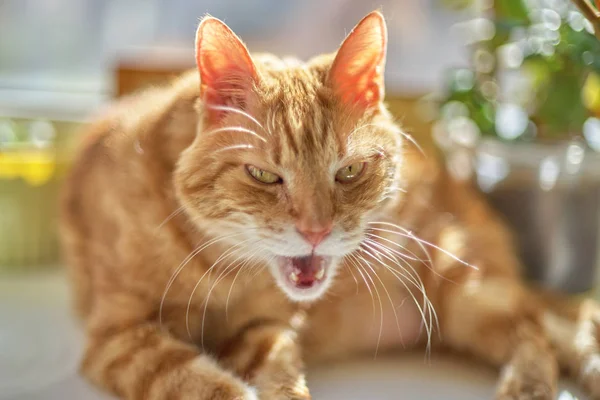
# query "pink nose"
(314, 236)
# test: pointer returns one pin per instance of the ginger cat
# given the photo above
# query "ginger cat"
(260, 214)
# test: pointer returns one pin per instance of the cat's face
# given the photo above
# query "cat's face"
(292, 160)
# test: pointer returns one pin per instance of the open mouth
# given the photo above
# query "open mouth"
(304, 273)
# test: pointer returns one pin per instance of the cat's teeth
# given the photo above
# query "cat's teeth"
(294, 276)
(320, 273)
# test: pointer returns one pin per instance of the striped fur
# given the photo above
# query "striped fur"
(156, 181)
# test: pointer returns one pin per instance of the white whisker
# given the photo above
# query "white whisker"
(237, 111)
(226, 271)
(226, 254)
(170, 217)
(390, 190)
(373, 246)
(404, 134)
(380, 304)
(426, 303)
(358, 129)
(258, 271)
(391, 304)
(414, 142)
(352, 258)
(236, 129)
(189, 257)
(406, 233)
(412, 257)
(235, 147)
(403, 256)
(241, 267)
(421, 246)
(353, 276)
(414, 279)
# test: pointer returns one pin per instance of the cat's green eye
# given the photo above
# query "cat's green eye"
(263, 176)
(350, 172)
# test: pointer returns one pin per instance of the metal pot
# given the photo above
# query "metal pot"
(550, 195)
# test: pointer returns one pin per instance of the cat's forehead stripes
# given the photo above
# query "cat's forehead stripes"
(300, 117)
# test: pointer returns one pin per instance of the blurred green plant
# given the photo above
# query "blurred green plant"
(534, 73)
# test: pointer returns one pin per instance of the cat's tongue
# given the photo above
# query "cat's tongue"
(305, 271)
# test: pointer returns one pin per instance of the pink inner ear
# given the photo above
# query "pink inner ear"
(227, 72)
(357, 71)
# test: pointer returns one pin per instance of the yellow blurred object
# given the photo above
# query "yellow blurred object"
(36, 167)
(35, 153)
(537, 71)
(591, 93)
(9, 166)
(39, 168)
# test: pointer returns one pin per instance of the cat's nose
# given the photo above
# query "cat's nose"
(314, 235)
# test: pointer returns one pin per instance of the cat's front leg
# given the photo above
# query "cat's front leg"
(576, 336)
(587, 348)
(136, 359)
(268, 356)
(497, 320)
(143, 363)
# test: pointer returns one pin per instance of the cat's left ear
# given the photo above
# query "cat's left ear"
(227, 72)
(356, 74)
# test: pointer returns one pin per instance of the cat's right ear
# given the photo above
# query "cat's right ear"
(227, 73)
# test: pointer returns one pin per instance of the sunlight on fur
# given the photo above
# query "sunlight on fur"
(257, 214)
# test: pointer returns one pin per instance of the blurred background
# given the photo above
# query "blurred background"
(507, 92)
(60, 60)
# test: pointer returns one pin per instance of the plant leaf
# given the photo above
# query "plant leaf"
(514, 10)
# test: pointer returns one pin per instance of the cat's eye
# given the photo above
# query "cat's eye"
(350, 172)
(263, 176)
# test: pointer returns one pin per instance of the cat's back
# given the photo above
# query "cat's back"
(130, 143)
(121, 175)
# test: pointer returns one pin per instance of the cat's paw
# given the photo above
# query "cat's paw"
(285, 396)
(285, 393)
(285, 390)
(516, 390)
(590, 376)
(524, 385)
(532, 375)
(201, 379)
(586, 344)
(250, 394)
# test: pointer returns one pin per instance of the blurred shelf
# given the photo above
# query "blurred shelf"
(57, 106)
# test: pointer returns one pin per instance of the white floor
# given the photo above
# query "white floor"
(40, 346)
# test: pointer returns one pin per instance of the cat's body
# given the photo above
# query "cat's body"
(154, 202)
(159, 231)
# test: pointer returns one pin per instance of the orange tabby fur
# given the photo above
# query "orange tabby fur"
(155, 181)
